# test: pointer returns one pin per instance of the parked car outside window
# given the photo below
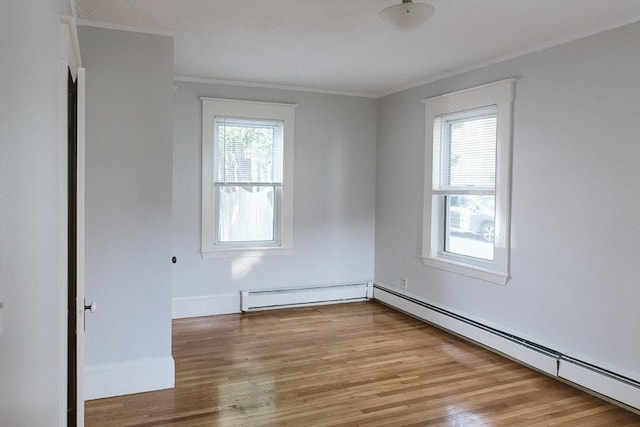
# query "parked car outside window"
(472, 215)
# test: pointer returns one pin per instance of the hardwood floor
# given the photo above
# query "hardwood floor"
(346, 365)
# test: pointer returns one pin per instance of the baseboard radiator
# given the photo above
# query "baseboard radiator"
(270, 299)
(617, 388)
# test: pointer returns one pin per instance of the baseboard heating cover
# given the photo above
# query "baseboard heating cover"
(615, 387)
(269, 299)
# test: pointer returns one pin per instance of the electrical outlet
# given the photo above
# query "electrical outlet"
(405, 283)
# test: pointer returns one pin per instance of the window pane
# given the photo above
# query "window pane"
(437, 153)
(246, 213)
(465, 150)
(248, 151)
(469, 226)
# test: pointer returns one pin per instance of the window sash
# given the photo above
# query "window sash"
(481, 122)
(236, 159)
(250, 171)
(472, 226)
(243, 242)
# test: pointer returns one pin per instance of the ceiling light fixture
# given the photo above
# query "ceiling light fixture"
(407, 14)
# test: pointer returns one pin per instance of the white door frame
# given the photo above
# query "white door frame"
(72, 62)
(80, 247)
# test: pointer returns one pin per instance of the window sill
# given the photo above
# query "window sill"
(452, 266)
(245, 252)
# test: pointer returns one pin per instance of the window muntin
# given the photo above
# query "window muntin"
(467, 184)
(247, 178)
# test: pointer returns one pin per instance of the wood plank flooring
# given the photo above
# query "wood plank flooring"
(346, 365)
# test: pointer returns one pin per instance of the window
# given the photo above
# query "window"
(464, 165)
(247, 177)
(467, 181)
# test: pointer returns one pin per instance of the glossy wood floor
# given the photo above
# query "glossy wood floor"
(346, 365)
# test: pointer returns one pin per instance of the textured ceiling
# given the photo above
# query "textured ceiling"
(343, 45)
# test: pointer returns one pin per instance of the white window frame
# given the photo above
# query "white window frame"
(250, 110)
(500, 94)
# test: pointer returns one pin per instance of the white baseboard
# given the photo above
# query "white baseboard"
(617, 387)
(136, 376)
(207, 305)
(538, 360)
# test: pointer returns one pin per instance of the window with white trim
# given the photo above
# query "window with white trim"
(467, 181)
(247, 177)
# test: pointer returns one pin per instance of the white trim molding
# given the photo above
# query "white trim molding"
(500, 94)
(265, 299)
(231, 108)
(506, 57)
(595, 377)
(206, 305)
(72, 49)
(134, 376)
(63, 197)
(223, 82)
(71, 63)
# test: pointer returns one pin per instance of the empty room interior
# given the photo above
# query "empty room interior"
(319, 212)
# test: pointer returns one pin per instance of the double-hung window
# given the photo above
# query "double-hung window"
(247, 177)
(467, 181)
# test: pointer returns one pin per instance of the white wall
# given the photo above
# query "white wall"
(32, 215)
(575, 261)
(128, 210)
(334, 180)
